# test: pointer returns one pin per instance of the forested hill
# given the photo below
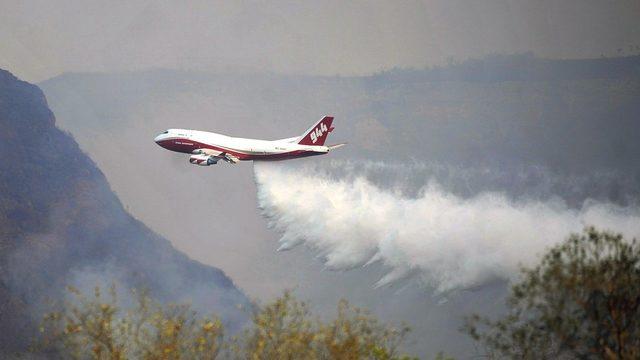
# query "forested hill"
(520, 67)
(503, 110)
(60, 225)
(573, 116)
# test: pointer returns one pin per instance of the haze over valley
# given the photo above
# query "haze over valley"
(479, 135)
(505, 131)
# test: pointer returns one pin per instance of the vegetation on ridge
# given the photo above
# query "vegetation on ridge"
(99, 327)
(582, 301)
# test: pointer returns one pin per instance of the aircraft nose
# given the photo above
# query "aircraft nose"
(158, 138)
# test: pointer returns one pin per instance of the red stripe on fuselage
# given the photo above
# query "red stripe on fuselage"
(187, 146)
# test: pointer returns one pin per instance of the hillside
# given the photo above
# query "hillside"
(570, 118)
(502, 110)
(60, 225)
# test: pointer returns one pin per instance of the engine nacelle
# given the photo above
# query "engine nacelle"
(202, 160)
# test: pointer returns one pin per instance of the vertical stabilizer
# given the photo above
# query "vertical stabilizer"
(317, 134)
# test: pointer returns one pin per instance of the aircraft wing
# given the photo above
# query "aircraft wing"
(229, 158)
(209, 152)
(219, 154)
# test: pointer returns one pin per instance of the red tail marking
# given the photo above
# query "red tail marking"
(317, 134)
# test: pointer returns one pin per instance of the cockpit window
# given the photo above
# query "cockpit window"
(166, 132)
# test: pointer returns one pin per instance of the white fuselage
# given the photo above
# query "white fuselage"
(192, 141)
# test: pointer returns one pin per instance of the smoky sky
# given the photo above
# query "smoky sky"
(41, 39)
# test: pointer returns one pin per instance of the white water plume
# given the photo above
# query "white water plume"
(447, 241)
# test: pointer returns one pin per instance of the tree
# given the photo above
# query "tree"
(582, 301)
(284, 329)
(96, 327)
(281, 330)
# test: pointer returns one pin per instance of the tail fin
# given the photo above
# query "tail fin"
(317, 134)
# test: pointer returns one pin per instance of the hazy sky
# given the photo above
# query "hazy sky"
(42, 38)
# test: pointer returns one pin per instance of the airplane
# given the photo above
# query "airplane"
(208, 148)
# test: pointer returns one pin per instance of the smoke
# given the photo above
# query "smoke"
(447, 241)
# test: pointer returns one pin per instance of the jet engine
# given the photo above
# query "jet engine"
(203, 160)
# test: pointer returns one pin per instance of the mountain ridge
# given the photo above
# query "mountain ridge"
(60, 223)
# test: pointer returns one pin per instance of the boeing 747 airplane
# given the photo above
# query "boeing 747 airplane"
(208, 148)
